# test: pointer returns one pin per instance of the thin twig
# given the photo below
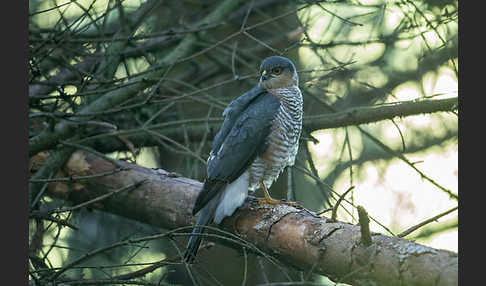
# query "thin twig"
(401, 135)
(427, 221)
(43, 216)
(336, 206)
(250, 7)
(317, 179)
(323, 211)
(233, 57)
(404, 159)
(245, 269)
(339, 17)
(79, 178)
(100, 198)
(262, 43)
(42, 190)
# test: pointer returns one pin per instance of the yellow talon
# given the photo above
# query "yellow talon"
(268, 200)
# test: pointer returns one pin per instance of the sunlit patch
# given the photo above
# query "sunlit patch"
(327, 28)
(322, 151)
(405, 62)
(328, 282)
(372, 76)
(403, 44)
(406, 91)
(432, 38)
(361, 54)
(337, 88)
(446, 83)
(371, 2)
(74, 10)
(391, 133)
(395, 195)
(429, 80)
(391, 191)
(316, 19)
(446, 240)
(393, 17)
(147, 158)
(308, 57)
(442, 84)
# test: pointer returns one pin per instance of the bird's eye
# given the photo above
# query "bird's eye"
(277, 70)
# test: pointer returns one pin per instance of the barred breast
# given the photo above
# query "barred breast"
(283, 141)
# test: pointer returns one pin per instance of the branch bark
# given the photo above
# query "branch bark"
(368, 114)
(295, 236)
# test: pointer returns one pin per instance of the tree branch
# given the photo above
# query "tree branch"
(295, 236)
(64, 129)
(196, 128)
(368, 114)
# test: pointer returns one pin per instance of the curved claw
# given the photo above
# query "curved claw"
(268, 200)
(271, 201)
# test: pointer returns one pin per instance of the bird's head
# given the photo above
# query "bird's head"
(277, 72)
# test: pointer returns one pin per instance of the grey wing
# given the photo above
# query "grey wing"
(232, 112)
(239, 147)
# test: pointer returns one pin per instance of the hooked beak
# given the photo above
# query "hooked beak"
(264, 76)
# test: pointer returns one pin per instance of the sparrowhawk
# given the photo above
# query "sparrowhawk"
(257, 140)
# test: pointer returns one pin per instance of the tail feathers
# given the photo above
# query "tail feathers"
(193, 245)
(204, 219)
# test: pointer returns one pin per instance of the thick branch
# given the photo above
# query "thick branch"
(296, 236)
(362, 115)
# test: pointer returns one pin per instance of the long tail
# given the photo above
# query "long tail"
(205, 217)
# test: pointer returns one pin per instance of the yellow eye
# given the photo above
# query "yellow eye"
(277, 70)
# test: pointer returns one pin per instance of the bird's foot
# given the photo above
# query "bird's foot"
(269, 200)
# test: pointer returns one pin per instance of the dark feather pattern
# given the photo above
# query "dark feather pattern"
(257, 139)
(241, 138)
(232, 112)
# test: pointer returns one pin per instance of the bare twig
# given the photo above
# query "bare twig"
(427, 221)
(43, 216)
(97, 199)
(403, 158)
(78, 178)
(336, 206)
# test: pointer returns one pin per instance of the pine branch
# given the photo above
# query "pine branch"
(295, 236)
(368, 114)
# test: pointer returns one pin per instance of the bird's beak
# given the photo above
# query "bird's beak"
(264, 76)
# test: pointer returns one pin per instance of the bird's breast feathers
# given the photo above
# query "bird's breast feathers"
(283, 140)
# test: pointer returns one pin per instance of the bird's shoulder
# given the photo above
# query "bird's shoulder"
(257, 102)
(243, 101)
(241, 138)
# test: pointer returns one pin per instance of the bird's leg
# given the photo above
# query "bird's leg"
(268, 200)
